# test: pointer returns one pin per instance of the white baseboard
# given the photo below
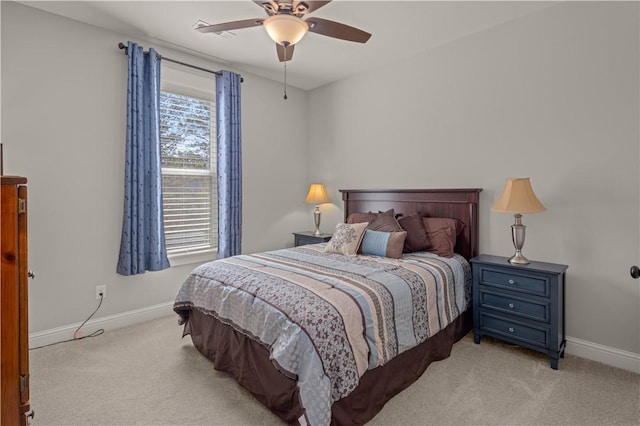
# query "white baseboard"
(604, 354)
(111, 322)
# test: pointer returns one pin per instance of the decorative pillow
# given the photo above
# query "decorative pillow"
(442, 233)
(346, 238)
(385, 222)
(385, 244)
(361, 217)
(417, 238)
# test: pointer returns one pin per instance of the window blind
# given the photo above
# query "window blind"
(189, 184)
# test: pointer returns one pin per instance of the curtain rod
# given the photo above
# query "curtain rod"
(125, 48)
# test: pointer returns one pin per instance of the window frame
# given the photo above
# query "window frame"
(199, 85)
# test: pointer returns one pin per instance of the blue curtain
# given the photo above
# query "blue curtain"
(142, 246)
(229, 157)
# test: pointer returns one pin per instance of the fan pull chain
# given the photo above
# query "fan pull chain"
(285, 72)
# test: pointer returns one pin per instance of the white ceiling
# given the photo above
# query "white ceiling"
(400, 29)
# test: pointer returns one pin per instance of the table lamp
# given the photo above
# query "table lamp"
(518, 197)
(317, 195)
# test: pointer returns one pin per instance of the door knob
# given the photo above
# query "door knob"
(635, 272)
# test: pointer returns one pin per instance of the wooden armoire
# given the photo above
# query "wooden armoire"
(14, 330)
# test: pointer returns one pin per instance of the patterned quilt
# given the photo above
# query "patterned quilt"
(327, 318)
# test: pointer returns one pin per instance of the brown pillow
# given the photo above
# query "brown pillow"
(385, 222)
(417, 238)
(361, 217)
(442, 233)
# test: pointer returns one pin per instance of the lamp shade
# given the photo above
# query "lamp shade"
(286, 30)
(317, 194)
(518, 197)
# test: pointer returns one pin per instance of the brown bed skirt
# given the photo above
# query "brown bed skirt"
(248, 361)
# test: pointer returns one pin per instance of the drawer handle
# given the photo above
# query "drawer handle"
(511, 305)
(511, 330)
(512, 282)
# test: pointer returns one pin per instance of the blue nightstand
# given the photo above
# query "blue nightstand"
(520, 304)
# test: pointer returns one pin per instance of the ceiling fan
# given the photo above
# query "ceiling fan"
(286, 26)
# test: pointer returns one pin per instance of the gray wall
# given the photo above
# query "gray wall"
(553, 96)
(63, 127)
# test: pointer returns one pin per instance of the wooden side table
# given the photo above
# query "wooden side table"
(520, 304)
(309, 237)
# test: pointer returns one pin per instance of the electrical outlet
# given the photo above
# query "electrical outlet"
(101, 290)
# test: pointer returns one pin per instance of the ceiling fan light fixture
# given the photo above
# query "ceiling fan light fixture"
(286, 30)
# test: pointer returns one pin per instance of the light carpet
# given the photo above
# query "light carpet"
(146, 374)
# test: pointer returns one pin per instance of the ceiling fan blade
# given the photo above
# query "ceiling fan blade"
(269, 6)
(228, 26)
(309, 6)
(281, 52)
(337, 30)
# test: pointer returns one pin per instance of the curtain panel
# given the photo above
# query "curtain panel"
(142, 245)
(229, 157)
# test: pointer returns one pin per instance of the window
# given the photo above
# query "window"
(189, 183)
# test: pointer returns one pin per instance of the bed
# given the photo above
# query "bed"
(325, 338)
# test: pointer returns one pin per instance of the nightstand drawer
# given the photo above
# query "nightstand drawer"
(304, 238)
(514, 330)
(529, 283)
(525, 308)
(301, 240)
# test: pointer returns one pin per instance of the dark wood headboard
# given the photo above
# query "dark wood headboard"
(456, 203)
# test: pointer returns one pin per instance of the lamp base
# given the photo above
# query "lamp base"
(316, 217)
(517, 235)
(518, 259)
